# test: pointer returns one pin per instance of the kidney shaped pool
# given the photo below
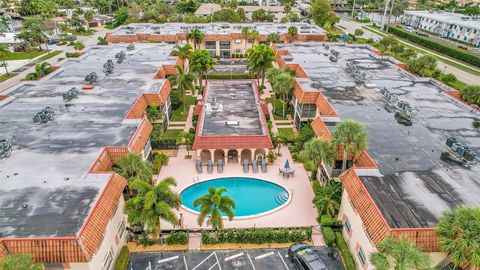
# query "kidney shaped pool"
(251, 196)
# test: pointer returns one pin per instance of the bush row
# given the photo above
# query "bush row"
(345, 252)
(234, 76)
(177, 238)
(72, 54)
(257, 236)
(239, 55)
(436, 46)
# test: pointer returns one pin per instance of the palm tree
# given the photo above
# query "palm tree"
(254, 34)
(102, 41)
(183, 52)
(78, 46)
(284, 86)
(185, 138)
(153, 203)
(272, 75)
(19, 262)
(246, 34)
(133, 167)
(3, 52)
(327, 199)
(197, 37)
(292, 32)
(260, 58)
(459, 233)
(41, 69)
(213, 205)
(183, 81)
(4, 24)
(352, 136)
(201, 62)
(318, 152)
(401, 254)
(36, 28)
(273, 38)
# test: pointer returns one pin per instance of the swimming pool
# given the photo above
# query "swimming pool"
(252, 196)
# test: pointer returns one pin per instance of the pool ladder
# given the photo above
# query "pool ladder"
(281, 197)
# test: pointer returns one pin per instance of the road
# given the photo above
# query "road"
(461, 75)
(87, 40)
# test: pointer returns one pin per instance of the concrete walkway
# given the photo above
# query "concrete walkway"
(189, 123)
(194, 240)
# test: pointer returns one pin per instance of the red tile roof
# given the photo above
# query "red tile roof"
(232, 142)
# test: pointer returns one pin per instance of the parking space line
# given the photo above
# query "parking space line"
(169, 259)
(203, 261)
(185, 262)
(218, 262)
(283, 260)
(215, 264)
(250, 259)
(234, 256)
(264, 255)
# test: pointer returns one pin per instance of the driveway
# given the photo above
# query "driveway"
(256, 259)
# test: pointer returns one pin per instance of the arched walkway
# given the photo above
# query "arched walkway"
(232, 155)
(246, 154)
(218, 154)
(205, 156)
(260, 154)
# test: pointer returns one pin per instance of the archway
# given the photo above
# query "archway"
(246, 154)
(218, 154)
(260, 154)
(232, 156)
(205, 156)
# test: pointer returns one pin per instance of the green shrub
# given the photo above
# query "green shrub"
(436, 46)
(257, 236)
(328, 221)
(177, 238)
(122, 260)
(471, 94)
(72, 54)
(345, 252)
(328, 236)
(159, 160)
(448, 78)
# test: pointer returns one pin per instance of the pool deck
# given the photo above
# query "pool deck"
(298, 213)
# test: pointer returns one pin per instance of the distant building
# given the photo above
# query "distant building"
(450, 25)
(278, 11)
(9, 40)
(207, 9)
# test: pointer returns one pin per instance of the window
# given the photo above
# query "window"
(347, 226)
(121, 229)
(108, 260)
(238, 51)
(238, 41)
(361, 256)
(210, 45)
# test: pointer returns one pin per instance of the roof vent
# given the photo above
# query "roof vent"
(108, 67)
(70, 94)
(91, 78)
(5, 148)
(44, 116)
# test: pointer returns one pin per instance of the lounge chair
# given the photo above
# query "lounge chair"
(220, 166)
(254, 166)
(198, 166)
(264, 165)
(210, 166)
(245, 166)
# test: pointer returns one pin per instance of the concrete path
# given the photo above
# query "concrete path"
(189, 123)
(194, 240)
(270, 112)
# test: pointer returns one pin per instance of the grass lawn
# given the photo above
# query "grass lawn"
(277, 113)
(49, 55)
(287, 133)
(171, 134)
(177, 115)
(85, 33)
(5, 77)
(22, 55)
(109, 26)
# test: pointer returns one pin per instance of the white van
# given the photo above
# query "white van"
(410, 29)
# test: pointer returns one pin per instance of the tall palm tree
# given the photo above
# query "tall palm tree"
(292, 32)
(133, 167)
(273, 38)
(201, 62)
(284, 87)
(213, 205)
(318, 152)
(246, 34)
(183, 81)
(255, 35)
(401, 254)
(197, 37)
(185, 138)
(260, 58)
(352, 136)
(459, 233)
(153, 203)
(327, 199)
(19, 262)
(272, 75)
(183, 52)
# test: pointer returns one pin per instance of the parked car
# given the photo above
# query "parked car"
(52, 42)
(306, 257)
(410, 29)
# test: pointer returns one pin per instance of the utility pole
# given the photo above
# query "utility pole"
(353, 9)
(384, 14)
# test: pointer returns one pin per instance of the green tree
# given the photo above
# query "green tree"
(423, 65)
(183, 81)
(319, 151)
(133, 167)
(213, 205)
(196, 36)
(284, 87)
(471, 94)
(246, 35)
(459, 232)
(102, 41)
(260, 58)
(153, 203)
(255, 35)
(19, 262)
(187, 139)
(120, 16)
(201, 62)
(273, 38)
(187, 6)
(4, 24)
(321, 12)
(183, 52)
(352, 136)
(78, 46)
(272, 75)
(35, 26)
(293, 17)
(327, 199)
(401, 254)
(41, 69)
(227, 15)
(359, 32)
(154, 112)
(292, 32)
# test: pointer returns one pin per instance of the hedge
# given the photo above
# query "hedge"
(122, 260)
(328, 221)
(257, 236)
(233, 76)
(177, 238)
(328, 236)
(345, 252)
(436, 46)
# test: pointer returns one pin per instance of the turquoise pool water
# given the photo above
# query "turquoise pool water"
(252, 196)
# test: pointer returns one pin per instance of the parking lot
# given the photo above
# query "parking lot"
(258, 259)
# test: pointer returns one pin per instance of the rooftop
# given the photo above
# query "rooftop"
(416, 186)
(452, 18)
(47, 190)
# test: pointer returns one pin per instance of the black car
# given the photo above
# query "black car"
(306, 257)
